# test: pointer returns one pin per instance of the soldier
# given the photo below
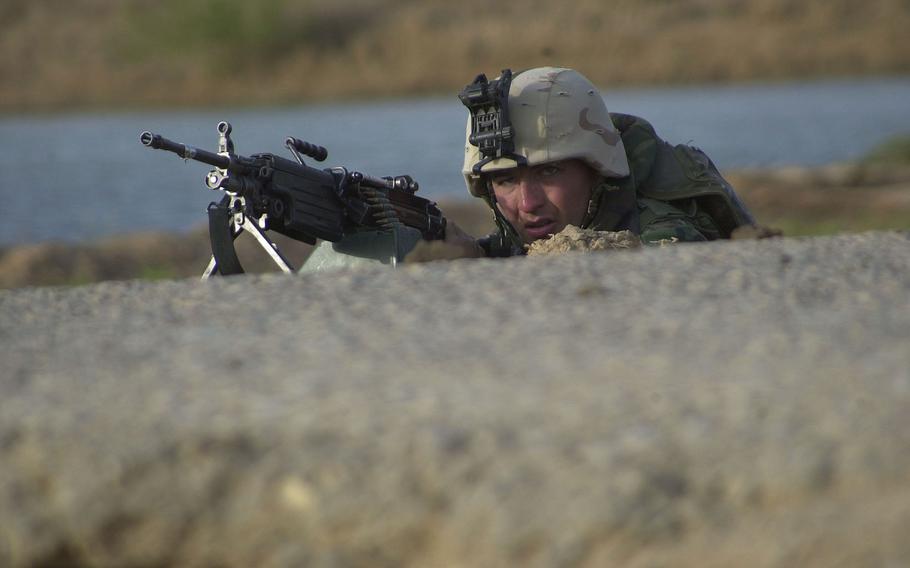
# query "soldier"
(548, 154)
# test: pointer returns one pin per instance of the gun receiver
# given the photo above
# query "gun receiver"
(267, 192)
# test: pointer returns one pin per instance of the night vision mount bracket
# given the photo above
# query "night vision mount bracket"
(491, 131)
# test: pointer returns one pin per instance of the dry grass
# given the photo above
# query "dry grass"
(198, 52)
(828, 200)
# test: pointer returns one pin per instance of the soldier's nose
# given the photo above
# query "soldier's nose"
(531, 196)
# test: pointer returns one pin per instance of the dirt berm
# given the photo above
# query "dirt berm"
(723, 404)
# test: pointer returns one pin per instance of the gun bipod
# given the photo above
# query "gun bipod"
(227, 221)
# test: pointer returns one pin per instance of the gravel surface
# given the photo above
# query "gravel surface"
(743, 403)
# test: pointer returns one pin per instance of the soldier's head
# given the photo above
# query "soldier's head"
(560, 144)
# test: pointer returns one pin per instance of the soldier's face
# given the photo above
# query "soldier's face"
(541, 200)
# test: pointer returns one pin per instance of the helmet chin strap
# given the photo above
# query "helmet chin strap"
(506, 229)
(613, 206)
(601, 187)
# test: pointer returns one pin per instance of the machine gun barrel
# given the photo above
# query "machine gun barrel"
(159, 142)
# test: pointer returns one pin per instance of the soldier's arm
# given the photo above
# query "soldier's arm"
(661, 221)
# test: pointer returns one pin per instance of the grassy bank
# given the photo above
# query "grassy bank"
(95, 53)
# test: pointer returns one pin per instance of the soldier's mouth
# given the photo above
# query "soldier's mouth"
(540, 229)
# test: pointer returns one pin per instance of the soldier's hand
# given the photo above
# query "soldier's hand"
(457, 244)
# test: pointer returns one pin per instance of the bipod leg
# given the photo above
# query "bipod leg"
(270, 247)
(210, 269)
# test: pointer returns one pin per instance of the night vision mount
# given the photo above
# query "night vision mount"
(491, 131)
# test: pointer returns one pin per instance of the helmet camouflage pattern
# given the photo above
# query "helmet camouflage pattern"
(556, 114)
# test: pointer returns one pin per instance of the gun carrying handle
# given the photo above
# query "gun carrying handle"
(314, 151)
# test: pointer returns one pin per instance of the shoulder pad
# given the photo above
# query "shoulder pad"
(685, 172)
(640, 141)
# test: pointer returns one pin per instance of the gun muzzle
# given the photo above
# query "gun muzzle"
(149, 139)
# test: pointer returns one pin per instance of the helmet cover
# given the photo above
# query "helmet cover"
(555, 114)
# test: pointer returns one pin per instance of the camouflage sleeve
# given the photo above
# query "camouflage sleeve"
(660, 220)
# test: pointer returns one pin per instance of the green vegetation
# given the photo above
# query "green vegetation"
(892, 151)
(245, 33)
(158, 272)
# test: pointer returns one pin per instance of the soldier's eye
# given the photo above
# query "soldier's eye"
(548, 171)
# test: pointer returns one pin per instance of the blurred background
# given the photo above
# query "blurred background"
(803, 104)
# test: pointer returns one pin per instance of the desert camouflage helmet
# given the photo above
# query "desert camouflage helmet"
(556, 114)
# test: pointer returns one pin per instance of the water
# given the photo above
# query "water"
(83, 176)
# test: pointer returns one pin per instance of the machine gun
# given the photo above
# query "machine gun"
(267, 192)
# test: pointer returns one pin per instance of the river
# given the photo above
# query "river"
(75, 177)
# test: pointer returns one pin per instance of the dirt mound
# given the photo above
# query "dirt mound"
(740, 403)
(574, 239)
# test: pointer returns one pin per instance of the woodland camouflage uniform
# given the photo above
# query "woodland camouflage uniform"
(670, 192)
